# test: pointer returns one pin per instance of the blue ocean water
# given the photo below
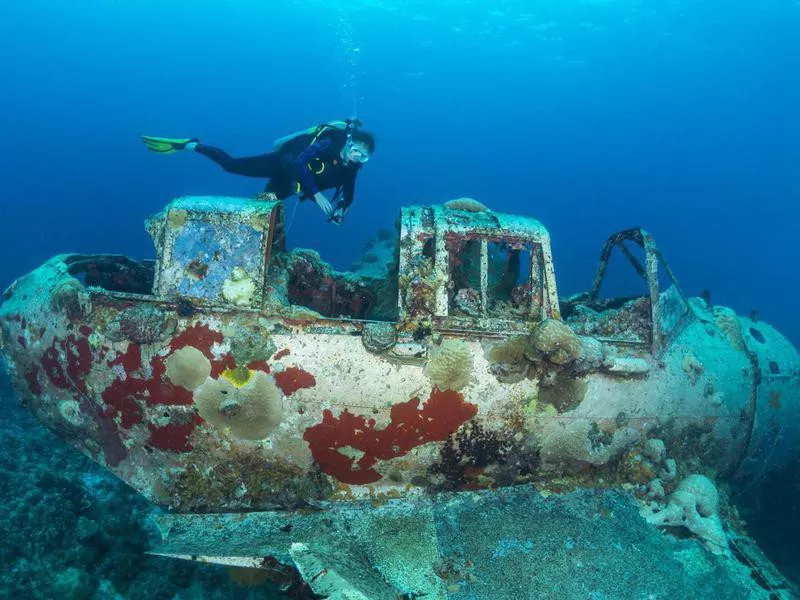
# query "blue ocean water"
(592, 116)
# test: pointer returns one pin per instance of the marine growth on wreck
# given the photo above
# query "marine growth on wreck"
(233, 375)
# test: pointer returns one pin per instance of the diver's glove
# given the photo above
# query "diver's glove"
(167, 145)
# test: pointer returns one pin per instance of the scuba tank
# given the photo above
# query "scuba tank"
(346, 126)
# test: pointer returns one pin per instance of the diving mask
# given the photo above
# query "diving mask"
(356, 152)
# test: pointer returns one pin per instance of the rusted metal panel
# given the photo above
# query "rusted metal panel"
(235, 407)
(213, 251)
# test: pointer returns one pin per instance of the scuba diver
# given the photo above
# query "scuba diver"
(328, 156)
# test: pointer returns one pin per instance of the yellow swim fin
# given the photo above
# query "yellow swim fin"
(166, 145)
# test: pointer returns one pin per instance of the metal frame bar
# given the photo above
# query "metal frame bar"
(649, 272)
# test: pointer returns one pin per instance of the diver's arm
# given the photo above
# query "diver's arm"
(323, 203)
(348, 190)
(304, 175)
(345, 199)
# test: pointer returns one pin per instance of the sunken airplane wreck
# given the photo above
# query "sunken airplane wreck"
(341, 431)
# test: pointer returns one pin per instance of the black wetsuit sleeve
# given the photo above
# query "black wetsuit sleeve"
(348, 189)
(262, 165)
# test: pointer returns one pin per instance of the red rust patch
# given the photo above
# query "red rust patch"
(130, 360)
(172, 437)
(201, 337)
(259, 365)
(166, 392)
(121, 398)
(79, 359)
(442, 414)
(124, 396)
(51, 363)
(282, 353)
(293, 379)
(127, 397)
(32, 377)
(218, 366)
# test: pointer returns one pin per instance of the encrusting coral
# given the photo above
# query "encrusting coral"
(556, 342)
(239, 289)
(248, 403)
(450, 365)
(728, 322)
(188, 367)
(466, 204)
(694, 505)
(580, 441)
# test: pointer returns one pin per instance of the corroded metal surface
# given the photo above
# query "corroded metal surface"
(509, 545)
(258, 382)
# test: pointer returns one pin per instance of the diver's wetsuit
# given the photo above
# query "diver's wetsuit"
(301, 166)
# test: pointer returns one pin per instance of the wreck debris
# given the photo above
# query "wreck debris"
(323, 579)
(233, 374)
(312, 283)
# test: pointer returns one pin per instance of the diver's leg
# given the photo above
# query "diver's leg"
(262, 165)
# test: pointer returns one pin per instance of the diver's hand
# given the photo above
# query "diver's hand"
(324, 204)
(337, 216)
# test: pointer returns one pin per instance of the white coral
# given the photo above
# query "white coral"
(669, 471)
(450, 365)
(574, 442)
(239, 289)
(694, 505)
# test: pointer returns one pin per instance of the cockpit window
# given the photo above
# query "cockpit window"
(492, 277)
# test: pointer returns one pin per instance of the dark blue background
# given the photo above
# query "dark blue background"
(591, 116)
